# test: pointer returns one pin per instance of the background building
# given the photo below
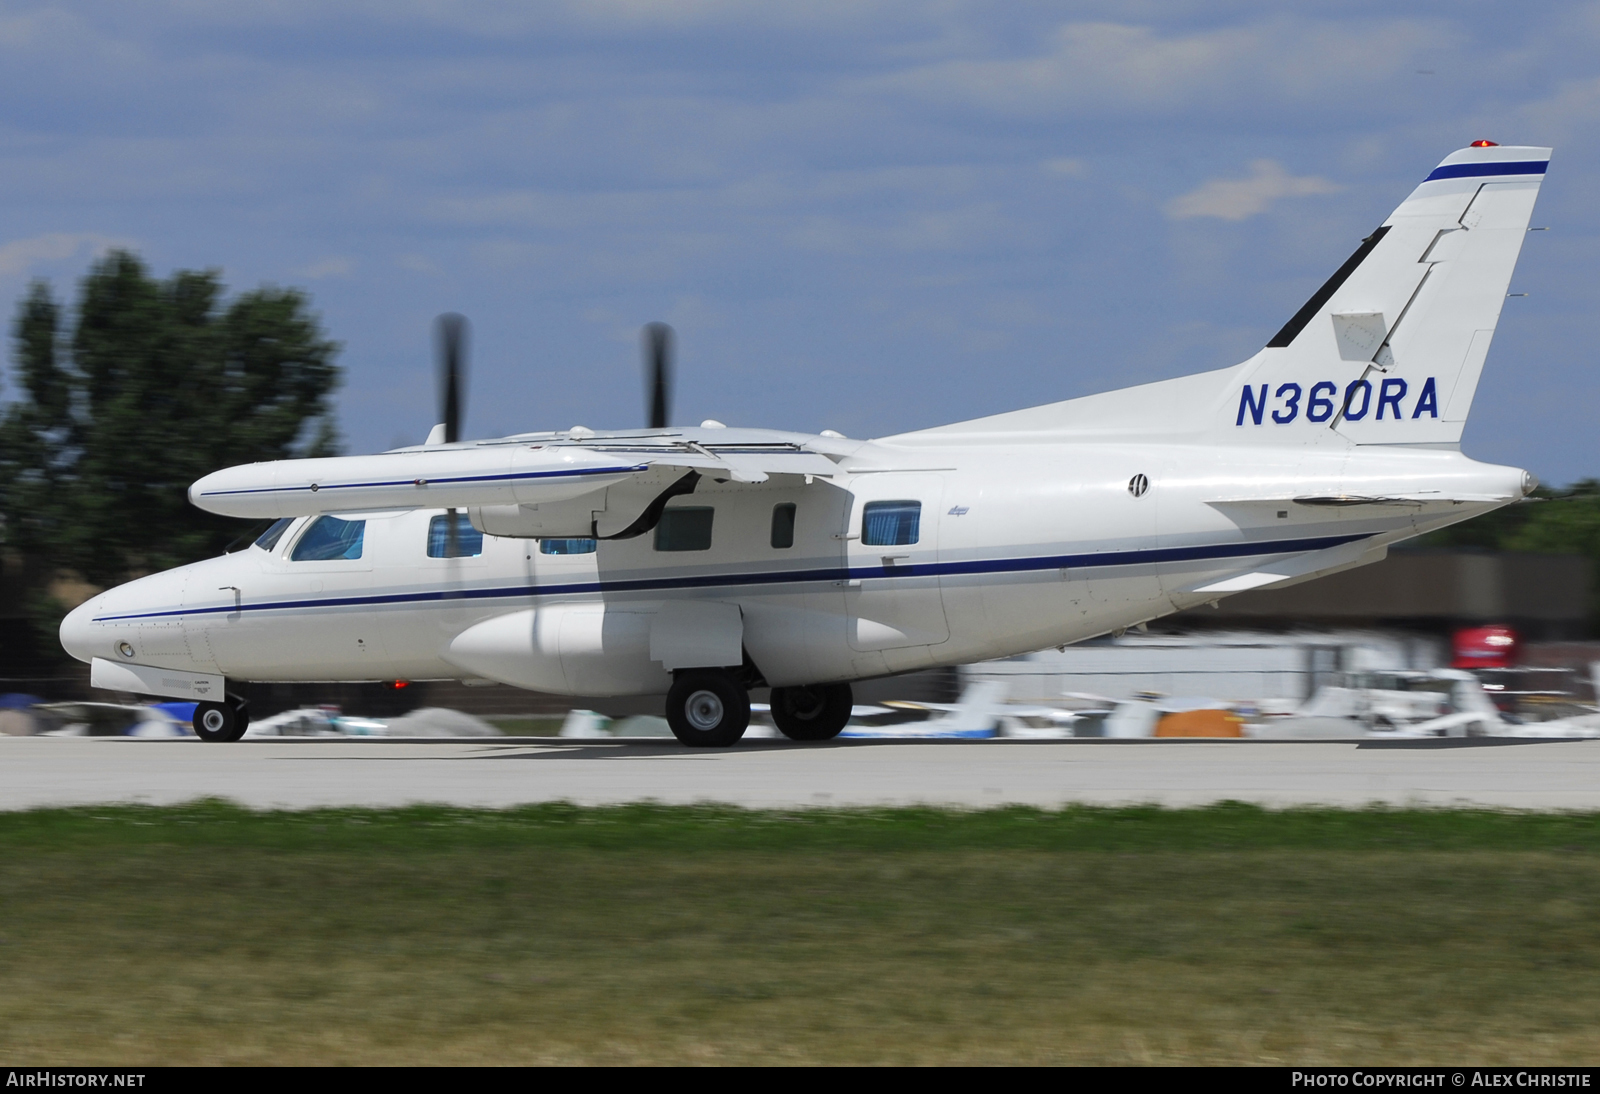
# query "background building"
(1281, 645)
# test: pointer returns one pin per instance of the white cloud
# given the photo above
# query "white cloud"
(21, 256)
(959, 229)
(1570, 114)
(26, 31)
(1239, 199)
(1092, 68)
(332, 266)
(888, 182)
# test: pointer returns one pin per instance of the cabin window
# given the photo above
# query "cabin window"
(783, 525)
(567, 546)
(269, 539)
(469, 541)
(330, 538)
(685, 529)
(891, 523)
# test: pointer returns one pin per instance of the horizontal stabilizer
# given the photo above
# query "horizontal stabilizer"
(1349, 501)
(1296, 568)
(1253, 580)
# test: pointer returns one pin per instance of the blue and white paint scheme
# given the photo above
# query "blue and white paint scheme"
(604, 563)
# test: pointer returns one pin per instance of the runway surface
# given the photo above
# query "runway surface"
(304, 773)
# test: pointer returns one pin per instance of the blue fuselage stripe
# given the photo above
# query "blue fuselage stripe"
(1481, 170)
(1098, 560)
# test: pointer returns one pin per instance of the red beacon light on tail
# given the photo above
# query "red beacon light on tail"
(1485, 144)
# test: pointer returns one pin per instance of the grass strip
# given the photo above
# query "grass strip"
(207, 933)
(1229, 826)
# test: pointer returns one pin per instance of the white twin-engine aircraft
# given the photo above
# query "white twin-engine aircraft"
(704, 562)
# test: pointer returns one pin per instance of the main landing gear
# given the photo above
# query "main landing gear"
(814, 713)
(710, 708)
(225, 721)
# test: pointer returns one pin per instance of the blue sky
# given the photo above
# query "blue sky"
(862, 216)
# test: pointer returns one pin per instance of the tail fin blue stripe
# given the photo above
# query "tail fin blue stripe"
(1475, 170)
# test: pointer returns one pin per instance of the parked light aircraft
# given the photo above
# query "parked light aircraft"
(703, 562)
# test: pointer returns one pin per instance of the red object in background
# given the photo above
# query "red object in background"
(1490, 647)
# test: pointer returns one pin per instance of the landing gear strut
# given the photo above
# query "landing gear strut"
(221, 721)
(814, 713)
(708, 708)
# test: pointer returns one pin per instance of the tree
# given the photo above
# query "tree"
(156, 384)
(1563, 521)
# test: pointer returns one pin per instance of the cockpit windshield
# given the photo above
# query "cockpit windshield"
(269, 539)
(330, 538)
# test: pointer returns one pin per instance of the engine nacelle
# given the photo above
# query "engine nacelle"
(622, 509)
(572, 519)
(568, 649)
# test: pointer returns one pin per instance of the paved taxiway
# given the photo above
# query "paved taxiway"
(290, 773)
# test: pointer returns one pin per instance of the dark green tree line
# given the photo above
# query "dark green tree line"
(1563, 521)
(152, 384)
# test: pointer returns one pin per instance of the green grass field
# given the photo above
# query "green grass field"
(207, 934)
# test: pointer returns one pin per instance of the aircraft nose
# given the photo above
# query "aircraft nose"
(77, 630)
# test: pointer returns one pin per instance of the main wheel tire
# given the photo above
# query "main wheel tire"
(219, 722)
(815, 713)
(707, 708)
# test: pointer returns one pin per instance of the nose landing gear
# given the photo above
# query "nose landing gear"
(708, 708)
(221, 721)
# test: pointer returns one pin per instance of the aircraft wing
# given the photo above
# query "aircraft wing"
(477, 475)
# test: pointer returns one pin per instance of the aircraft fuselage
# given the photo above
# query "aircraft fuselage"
(1016, 547)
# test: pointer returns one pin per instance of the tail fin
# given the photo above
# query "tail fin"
(1390, 349)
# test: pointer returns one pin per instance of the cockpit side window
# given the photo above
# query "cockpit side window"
(469, 541)
(567, 546)
(269, 539)
(330, 538)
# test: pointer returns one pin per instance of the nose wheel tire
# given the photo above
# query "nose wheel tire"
(707, 708)
(815, 713)
(220, 721)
